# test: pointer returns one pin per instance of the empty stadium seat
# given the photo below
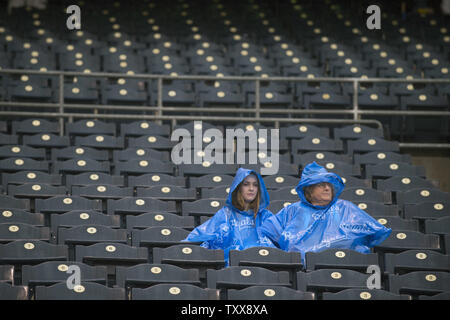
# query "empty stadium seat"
(331, 280)
(177, 291)
(242, 277)
(263, 292)
(151, 274)
(163, 219)
(364, 294)
(51, 272)
(402, 240)
(190, 256)
(425, 282)
(11, 292)
(110, 254)
(83, 291)
(341, 259)
(416, 260)
(32, 252)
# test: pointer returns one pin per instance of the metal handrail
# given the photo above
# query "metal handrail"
(160, 108)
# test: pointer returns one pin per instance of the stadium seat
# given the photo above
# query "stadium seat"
(331, 280)
(376, 157)
(136, 205)
(356, 132)
(402, 240)
(340, 259)
(270, 258)
(7, 274)
(31, 252)
(167, 193)
(83, 291)
(36, 190)
(371, 144)
(152, 274)
(403, 183)
(424, 282)
(302, 130)
(440, 296)
(81, 218)
(7, 202)
(90, 127)
(287, 194)
(143, 128)
(11, 292)
(178, 291)
(366, 194)
(139, 153)
(77, 152)
(263, 292)
(8, 139)
(100, 142)
(80, 165)
(210, 181)
(60, 204)
(89, 234)
(163, 219)
(102, 191)
(427, 210)
(190, 256)
(48, 140)
(21, 151)
(364, 294)
(239, 277)
(279, 181)
(152, 142)
(419, 195)
(51, 272)
(158, 236)
(21, 216)
(386, 170)
(304, 158)
(93, 179)
(33, 126)
(21, 164)
(110, 254)
(416, 260)
(438, 226)
(202, 206)
(206, 168)
(316, 143)
(22, 231)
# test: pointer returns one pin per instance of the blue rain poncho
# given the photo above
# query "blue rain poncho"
(233, 229)
(304, 227)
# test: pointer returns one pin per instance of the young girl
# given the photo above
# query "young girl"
(236, 225)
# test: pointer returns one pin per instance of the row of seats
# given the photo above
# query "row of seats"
(139, 234)
(314, 283)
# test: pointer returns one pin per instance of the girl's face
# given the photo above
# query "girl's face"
(249, 188)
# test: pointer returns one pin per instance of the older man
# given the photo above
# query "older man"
(320, 220)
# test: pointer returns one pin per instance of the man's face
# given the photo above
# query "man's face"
(321, 194)
(249, 188)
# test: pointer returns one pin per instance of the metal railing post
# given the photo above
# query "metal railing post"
(159, 113)
(61, 103)
(257, 99)
(356, 115)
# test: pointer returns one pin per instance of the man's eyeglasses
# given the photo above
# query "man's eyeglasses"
(323, 185)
